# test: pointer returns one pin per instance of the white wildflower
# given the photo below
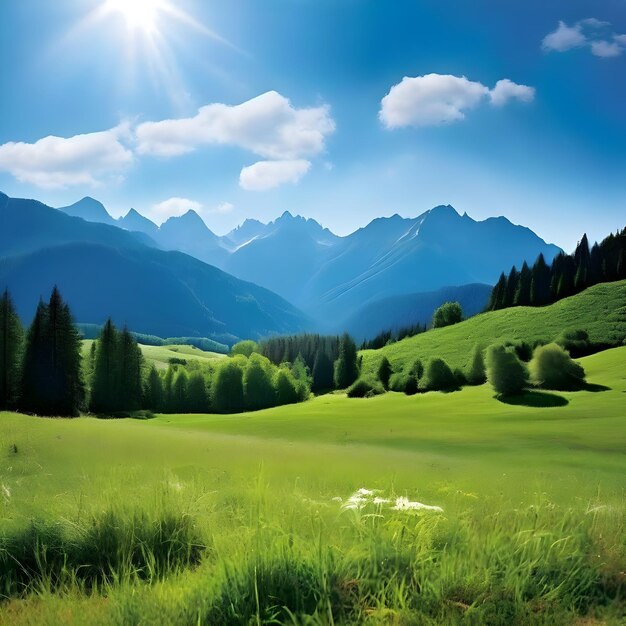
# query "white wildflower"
(404, 504)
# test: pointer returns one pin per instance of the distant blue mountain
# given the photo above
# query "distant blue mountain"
(105, 271)
(90, 210)
(331, 277)
(396, 312)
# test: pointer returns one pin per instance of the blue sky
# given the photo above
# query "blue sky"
(303, 107)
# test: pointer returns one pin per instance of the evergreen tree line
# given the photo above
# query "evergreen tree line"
(318, 352)
(387, 337)
(40, 369)
(232, 385)
(569, 274)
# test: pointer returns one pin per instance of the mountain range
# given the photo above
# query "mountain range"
(104, 271)
(331, 277)
(287, 275)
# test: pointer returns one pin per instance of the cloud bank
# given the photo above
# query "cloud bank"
(267, 126)
(436, 99)
(590, 33)
(55, 162)
(265, 175)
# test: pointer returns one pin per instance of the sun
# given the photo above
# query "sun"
(138, 14)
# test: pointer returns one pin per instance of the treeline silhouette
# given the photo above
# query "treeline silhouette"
(42, 372)
(569, 274)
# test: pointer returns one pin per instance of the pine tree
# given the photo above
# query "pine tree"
(130, 361)
(11, 340)
(322, 372)
(497, 294)
(153, 392)
(168, 390)
(582, 258)
(346, 367)
(52, 378)
(522, 292)
(476, 374)
(179, 391)
(566, 281)
(35, 382)
(512, 283)
(105, 386)
(540, 283)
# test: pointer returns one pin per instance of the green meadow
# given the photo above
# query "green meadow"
(160, 356)
(248, 519)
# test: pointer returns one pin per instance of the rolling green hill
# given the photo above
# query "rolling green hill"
(160, 355)
(600, 310)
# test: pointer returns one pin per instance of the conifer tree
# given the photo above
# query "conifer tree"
(105, 386)
(511, 287)
(497, 294)
(35, 383)
(168, 390)
(11, 340)
(582, 259)
(153, 392)
(322, 372)
(522, 292)
(179, 391)
(130, 361)
(346, 367)
(476, 374)
(540, 283)
(52, 378)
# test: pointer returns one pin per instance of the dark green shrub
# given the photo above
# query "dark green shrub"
(447, 314)
(476, 374)
(363, 388)
(228, 388)
(438, 377)
(286, 387)
(245, 348)
(258, 388)
(384, 372)
(553, 368)
(506, 373)
(417, 369)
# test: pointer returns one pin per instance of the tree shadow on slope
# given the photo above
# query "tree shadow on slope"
(534, 399)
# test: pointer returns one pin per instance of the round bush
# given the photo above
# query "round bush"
(506, 373)
(553, 368)
(363, 388)
(438, 377)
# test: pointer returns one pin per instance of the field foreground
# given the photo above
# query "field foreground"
(258, 518)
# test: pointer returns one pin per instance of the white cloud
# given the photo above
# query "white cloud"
(223, 207)
(267, 125)
(564, 38)
(269, 174)
(173, 207)
(436, 99)
(606, 49)
(506, 90)
(590, 33)
(55, 162)
(430, 100)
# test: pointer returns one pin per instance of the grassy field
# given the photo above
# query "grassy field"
(160, 355)
(531, 529)
(600, 310)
